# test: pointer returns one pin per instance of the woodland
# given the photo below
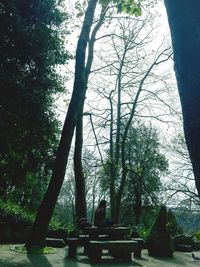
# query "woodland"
(96, 102)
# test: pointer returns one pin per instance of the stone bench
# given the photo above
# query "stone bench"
(184, 248)
(141, 245)
(73, 243)
(99, 237)
(118, 248)
(196, 245)
(81, 240)
(55, 242)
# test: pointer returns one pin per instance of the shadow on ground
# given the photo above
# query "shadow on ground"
(39, 260)
(10, 258)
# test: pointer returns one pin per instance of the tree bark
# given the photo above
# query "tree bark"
(138, 202)
(184, 22)
(112, 168)
(80, 198)
(46, 208)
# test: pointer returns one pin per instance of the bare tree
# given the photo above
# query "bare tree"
(126, 71)
(179, 186)
(80, 193)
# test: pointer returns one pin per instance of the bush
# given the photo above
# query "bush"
(13, 212)
(143, 231)
(172, 225)
(196, 235)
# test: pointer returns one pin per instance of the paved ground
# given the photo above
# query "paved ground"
(10, 258)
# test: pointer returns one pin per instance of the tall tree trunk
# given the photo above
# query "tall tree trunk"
(112, 173)
(45, 211)
(115, 151)
(138, 203)
(80, 198)
(184, 24)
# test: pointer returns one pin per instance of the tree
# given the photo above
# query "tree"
(123, 85)
(80, 203)
(30, 47)
(184, 24)
(180, 189)
(46, 208)
(65, 208)
(146, 165)
(172, 225)
(131, 8)
(65, 211)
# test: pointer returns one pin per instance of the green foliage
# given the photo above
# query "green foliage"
(197, 235)
(172, 225)
(55, 224)
(30, 48)
(131, 7)
(10, 212)
(143, 231)
(79, 9)
(145, 166)
(8, 209)
(35, 250)
(148, 216)
(69, 227)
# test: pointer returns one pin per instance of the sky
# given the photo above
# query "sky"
(162, 32)
(168, 131)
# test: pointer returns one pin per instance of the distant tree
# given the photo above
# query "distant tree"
(180, 188)
(30, 48)
(172, 225)
(145, 165)
(65, 209)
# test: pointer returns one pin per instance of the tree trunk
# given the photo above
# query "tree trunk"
(112, 167)
(80, 200)
(138, 204)
(115, 151)
(184, 24)
(45, 211)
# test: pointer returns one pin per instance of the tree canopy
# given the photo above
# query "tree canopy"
(30, 48)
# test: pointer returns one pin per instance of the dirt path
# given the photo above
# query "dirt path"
(10, 258)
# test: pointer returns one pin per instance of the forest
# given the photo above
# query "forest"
(91, 108)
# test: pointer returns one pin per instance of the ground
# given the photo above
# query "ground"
(10, 258)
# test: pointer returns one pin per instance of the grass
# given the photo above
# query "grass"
(38, 251)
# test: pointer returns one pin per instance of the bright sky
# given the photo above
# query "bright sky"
(162, 32)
